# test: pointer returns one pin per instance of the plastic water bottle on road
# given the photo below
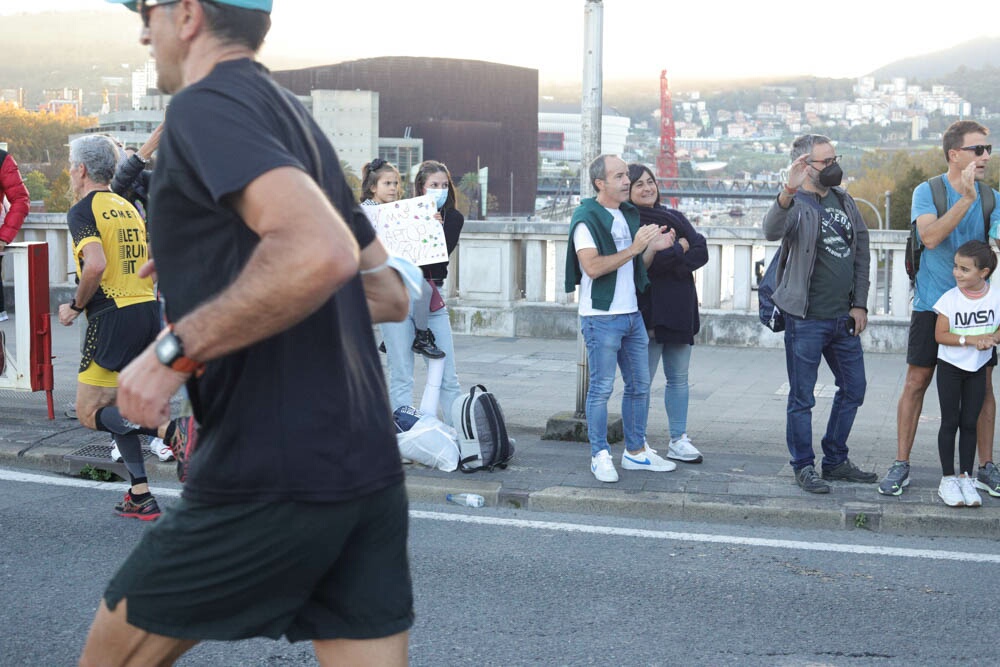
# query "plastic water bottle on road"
(467, 499)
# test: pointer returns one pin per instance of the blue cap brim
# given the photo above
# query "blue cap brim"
(131, 4)
(259, 5)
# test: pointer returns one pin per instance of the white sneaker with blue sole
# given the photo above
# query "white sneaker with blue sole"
(647, 459)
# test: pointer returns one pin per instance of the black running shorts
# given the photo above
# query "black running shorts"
(116, 337)
(922, 348)
(302, 570)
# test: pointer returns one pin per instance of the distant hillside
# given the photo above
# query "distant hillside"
(974, 55)
(60, 49)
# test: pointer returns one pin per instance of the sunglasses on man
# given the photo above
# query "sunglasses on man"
(146, 5)
(979, 149)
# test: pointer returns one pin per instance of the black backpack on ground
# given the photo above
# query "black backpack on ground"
(914, 248)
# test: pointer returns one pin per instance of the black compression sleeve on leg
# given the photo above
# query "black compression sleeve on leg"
(131, 450)
(110, 419)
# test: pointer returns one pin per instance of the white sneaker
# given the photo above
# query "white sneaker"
(3, 316)
(950, 491)
(160, 448)
(969, 493)
(116, 456)
(681, 449)
(647, 459)
(603, 467)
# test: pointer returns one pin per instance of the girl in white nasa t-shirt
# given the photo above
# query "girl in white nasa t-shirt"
(966, 334)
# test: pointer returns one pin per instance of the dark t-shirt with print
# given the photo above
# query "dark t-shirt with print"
(833, 276)
(302, 415)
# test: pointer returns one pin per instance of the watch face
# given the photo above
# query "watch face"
(168, 349)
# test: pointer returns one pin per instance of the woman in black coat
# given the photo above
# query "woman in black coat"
(669, 305)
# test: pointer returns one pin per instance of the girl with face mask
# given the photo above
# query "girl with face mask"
(402, 339)
(380, 185)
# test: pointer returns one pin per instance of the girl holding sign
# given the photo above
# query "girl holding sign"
(380, 185)
(432, 178)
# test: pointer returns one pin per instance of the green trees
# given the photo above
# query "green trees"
(61, 198)
(38, 185)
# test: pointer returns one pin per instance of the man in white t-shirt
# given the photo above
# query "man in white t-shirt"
(607, 256)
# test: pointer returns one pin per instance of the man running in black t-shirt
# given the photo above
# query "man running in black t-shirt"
(293, 519)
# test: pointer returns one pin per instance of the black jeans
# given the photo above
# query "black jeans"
(961, 394)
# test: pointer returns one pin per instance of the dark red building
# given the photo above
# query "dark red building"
(464, 110)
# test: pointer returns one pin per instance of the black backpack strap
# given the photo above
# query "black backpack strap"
(466, 468)
(939, 192)
(988, 201)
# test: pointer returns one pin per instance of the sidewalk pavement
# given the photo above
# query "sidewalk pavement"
(736, 418)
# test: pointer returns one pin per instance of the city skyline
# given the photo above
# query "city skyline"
(737, 40)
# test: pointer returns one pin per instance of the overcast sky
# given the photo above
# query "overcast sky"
(691, 39)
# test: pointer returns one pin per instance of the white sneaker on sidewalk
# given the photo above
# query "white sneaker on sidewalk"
(647, 459)
(682, 450)
(603, 467)
(969, 493)
(950, 491)
(116, 456)
(160, 448)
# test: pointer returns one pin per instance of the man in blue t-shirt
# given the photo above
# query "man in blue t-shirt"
(293, 519)
(967, 152)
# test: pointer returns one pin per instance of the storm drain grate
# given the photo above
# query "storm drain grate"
(99, 456)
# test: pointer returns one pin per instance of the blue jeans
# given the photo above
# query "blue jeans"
(676, 360)
(615, 341)
(398, 338)
(806, 342)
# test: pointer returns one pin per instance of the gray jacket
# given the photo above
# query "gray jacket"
(798, 228)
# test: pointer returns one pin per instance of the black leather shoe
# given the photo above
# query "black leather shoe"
(810, 481)
(848, 472)
(423, 344)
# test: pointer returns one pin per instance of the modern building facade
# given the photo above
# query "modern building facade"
(468, 113)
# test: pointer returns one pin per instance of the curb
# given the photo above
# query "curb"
(739, 510)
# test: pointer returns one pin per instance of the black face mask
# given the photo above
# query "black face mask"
(831, 176)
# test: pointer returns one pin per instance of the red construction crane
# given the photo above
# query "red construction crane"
(666, 161)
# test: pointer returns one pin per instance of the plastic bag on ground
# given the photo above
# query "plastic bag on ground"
(431, 442)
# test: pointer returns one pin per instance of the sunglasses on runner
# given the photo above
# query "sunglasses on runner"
(979, 149)
(146, 5)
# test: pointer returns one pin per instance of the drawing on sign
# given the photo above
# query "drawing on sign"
(409, 229)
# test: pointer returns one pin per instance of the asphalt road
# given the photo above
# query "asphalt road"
(514, 588)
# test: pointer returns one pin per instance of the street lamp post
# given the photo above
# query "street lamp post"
(878, 216)
(590, 148)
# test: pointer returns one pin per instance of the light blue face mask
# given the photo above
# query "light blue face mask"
(440, 196)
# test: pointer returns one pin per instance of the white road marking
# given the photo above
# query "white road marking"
(713, 539)
(13, 476)
(895, 552)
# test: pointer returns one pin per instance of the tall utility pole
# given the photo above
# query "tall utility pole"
(590, 147)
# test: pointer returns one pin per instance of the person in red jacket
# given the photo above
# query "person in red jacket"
(13, 211)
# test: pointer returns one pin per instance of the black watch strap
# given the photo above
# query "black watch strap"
(74, 307)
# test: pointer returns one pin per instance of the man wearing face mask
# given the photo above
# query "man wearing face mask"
(823, 291)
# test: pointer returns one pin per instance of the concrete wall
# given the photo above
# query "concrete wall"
(506, 279)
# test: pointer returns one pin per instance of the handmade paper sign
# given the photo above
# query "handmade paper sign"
(409, 229)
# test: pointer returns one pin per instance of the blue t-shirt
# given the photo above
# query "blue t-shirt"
(934, 277)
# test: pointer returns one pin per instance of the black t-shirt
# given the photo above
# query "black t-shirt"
(833, 276)
(302, 415)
